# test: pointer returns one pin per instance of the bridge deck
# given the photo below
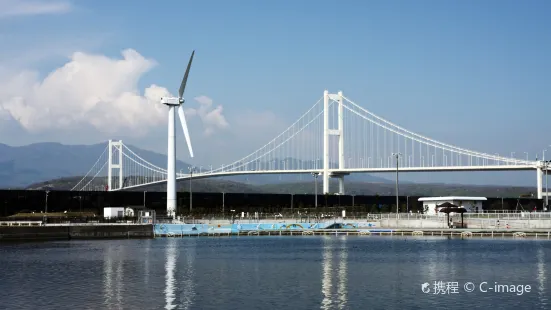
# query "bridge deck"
(344, 171)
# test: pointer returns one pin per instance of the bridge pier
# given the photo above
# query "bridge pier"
(341, 184)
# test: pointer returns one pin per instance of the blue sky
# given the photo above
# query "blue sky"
(471, 73)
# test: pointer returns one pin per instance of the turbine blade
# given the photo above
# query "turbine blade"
(184, 80)
(184, 127)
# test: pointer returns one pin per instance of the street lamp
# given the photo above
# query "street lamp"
(397, 155)
(191, 171)
(315, 175)
(46, 204)
(223, 204)
(80, 203)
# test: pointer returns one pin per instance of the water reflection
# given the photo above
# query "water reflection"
(326, 279)
(147, 249)
(429, 266)
(541, 278)
(210, 273)
(113, 279)
(329, 302)
(179, 271)
(343, 272)
(188, 283)
(107, 277)
(120, 281)
(170, 267)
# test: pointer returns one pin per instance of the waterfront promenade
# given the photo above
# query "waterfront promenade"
(523, 225)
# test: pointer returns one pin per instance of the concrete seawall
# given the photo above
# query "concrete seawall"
(351, 229)
(30, 233)
(432, 228)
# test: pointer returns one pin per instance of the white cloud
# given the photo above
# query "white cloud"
(92, 90)
(11, 8)
(213, 119)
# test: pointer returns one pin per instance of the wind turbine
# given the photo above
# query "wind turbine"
(172, 103)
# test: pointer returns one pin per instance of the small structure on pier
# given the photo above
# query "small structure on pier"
(431, 205)
(449, 208)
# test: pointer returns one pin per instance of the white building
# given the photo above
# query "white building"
(113, 212)
(471, 204)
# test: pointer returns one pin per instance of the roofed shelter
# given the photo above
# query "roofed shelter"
(448, 208)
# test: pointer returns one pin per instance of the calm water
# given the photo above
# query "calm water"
(273, 272)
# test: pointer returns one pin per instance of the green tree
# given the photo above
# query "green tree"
(374, 209)
(403, 208)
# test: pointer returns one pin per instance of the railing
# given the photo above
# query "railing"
(20, 223)
(526, 220)
(483, 219)
(325, 216)
(34, 221)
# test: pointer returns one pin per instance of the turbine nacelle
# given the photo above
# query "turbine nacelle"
(172, 101)
(176, 103)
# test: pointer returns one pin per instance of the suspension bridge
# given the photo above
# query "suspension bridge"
(334, 138)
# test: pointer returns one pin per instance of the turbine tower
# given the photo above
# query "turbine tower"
(172, 103)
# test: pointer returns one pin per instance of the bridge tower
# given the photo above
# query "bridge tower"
(115, 150)
(333, 132)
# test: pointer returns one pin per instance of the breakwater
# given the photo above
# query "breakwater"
(74, 231)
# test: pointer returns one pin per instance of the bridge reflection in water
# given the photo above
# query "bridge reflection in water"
(324, 272)
(334, 247)
(113, 278)
(542, 296)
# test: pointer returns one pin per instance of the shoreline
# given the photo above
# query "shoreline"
(353, 229)
(149, 231)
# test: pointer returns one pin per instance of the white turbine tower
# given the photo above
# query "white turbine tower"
(172, 103)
